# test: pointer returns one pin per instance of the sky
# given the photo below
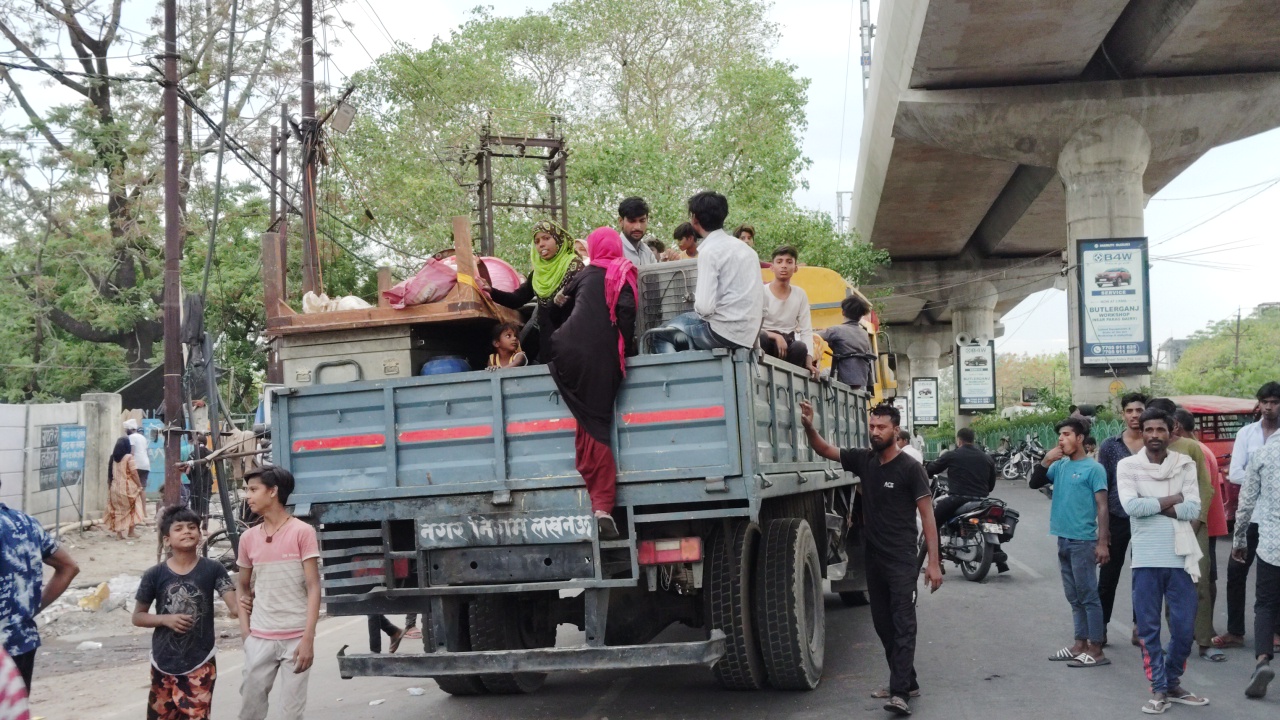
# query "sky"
(1219, 218)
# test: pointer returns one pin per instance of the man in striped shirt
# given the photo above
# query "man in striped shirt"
(1259, 511)
(1160, 491)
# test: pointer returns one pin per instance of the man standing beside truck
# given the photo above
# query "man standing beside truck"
(894, 489)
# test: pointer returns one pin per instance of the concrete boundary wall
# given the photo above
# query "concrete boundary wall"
(20, 457)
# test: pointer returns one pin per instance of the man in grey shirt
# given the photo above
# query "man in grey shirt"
(851, 354)
(633, 225)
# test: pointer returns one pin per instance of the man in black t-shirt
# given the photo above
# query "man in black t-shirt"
(894, 490)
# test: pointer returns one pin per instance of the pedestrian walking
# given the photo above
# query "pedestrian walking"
(141, 449)
(279, 590)
(1258, 514)
(895, 492)
(125, 493)
(1249, 439)
(183, 640)
(1080, 519)
(24, 549)
(1161, 493)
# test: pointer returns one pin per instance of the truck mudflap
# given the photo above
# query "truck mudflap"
(619, 657)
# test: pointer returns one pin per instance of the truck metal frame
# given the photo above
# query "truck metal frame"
(457, 496)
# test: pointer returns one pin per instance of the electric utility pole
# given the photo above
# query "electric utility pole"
(173, 420)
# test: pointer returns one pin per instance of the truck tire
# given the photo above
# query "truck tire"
(727, 589)
(495, 625)
(790, 615)
(454, 684)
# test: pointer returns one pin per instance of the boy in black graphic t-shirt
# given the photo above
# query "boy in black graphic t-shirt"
(183, 670)
(894, 489)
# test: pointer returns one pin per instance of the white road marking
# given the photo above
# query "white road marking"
(1026, 568)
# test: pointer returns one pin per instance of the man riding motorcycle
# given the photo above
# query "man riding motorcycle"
(971, 475)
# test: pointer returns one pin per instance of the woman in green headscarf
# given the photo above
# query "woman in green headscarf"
(554, 263)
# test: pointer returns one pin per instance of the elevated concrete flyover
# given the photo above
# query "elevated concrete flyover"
(1000, 132)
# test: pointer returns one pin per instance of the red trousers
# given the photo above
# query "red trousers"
(597, 467)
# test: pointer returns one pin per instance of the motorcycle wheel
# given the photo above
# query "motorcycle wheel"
(977, 569)
(1010, 470)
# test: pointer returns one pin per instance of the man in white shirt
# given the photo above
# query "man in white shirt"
(728, 299)
(904, 444)
(1249, 440)
(787, 332)
(140, 448)
(633, 225)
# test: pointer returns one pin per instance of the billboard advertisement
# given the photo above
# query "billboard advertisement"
(976, 377)
(1115, 303)
(924, 401)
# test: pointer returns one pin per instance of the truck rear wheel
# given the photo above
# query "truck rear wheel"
(727, 588)
(498, 622)
(790, 615)
(455, 684)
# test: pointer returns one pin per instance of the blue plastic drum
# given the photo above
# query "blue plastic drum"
(445, 364)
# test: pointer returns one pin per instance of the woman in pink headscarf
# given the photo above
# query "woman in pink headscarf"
(601, 306)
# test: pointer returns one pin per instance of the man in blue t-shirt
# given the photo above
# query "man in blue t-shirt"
(1079, 517)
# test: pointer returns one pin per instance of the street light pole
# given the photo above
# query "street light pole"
(172, 264)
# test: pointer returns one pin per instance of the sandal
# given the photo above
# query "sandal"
(885, 694)
(412, 633)
(1086, 660)
(1213, 654)
(1262, 677)
(1227, 640)
(898, 706)
(1063, 655)
(608, 529)
(1187, 698)
(396, 637)
(1155, 706)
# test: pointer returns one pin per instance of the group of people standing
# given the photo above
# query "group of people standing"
(127, 473)
(585, 305)
(1156, 492)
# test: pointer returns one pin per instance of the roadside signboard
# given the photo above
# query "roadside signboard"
(976, 377)
(924, 400)
(1114, 299)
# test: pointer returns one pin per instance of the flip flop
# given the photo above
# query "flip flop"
(1084, 660)
(1262, 676)
(395, 641)
(1156, 707)
(1213, 654)
(1063, 655)
(1220, 642)
(1188, 698)
(898, 706)
(412, 633)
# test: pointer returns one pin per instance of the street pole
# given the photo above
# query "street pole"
(284, 197)
(310, 260)
(172, 264)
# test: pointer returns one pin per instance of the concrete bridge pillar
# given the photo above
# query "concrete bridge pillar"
(924, 356)
(973, 313)
(1101, 167)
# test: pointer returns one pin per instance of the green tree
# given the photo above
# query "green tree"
(657, 98)
(1209, 366)
(1049, 373)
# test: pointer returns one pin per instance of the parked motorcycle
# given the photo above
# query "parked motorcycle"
(1023, 459)
(973, 538)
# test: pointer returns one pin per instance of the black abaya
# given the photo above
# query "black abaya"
(584, 351)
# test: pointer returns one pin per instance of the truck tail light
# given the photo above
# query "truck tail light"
(667, 552)
(399, 567)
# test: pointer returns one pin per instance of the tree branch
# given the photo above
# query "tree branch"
(40, 63)
(36, 121)
(82, 329)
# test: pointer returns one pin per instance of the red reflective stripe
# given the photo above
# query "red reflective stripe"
(683, 415)
(344, 442)
(527, 427)
(437, 434)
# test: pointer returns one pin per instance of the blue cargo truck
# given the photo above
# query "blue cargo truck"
(456, 496)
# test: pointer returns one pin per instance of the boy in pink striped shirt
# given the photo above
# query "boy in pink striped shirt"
(279, 580)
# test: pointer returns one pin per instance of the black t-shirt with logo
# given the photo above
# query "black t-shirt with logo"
(889, 495)
(191, 594)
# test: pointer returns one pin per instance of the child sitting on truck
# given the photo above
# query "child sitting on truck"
(506, 347)
(851, 355)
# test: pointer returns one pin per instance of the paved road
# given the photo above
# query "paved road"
(982, 654)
